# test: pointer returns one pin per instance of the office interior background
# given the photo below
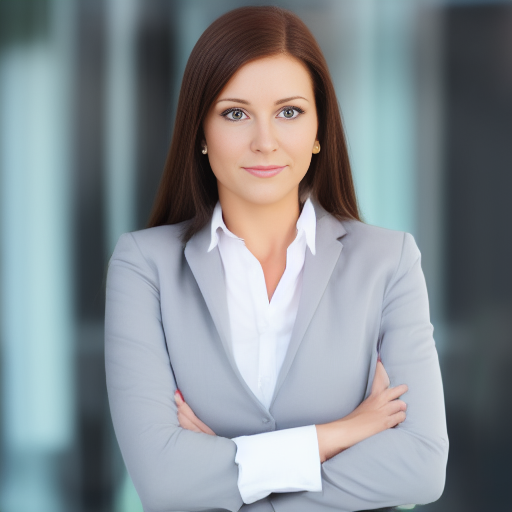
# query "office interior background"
(88, 93)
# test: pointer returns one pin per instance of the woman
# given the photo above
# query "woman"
(259, 293)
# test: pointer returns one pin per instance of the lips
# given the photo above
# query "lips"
(265, 167)
(264, 171)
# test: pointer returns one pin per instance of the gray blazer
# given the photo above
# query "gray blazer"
(167, 326)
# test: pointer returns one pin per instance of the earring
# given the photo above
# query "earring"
(316, 148)
(204, 150)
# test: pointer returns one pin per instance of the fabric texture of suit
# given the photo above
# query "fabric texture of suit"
(167, 326)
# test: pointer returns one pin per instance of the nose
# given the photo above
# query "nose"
(264, 139)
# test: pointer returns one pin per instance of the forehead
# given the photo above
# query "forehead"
(270, 78)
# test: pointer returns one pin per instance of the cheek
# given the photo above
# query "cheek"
(300, 137)
(225, 152)
(225, 146)
(300, 148)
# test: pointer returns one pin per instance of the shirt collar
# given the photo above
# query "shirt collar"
(306, 223)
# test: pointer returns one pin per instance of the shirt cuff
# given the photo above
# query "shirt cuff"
(281, 461)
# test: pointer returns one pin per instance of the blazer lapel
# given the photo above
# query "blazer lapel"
(316, 274)
(209, 274)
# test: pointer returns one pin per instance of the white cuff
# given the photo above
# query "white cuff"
(281, 461)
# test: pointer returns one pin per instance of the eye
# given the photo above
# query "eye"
(291, 112)
(234, 114)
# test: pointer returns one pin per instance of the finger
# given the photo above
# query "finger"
(395, 406)
(397, 418)
(381, 379)
(190, 424)
(401, 404)
(383, 374)
(178, 397)
(189, 413)
(186, 410)
(187, 424)
(205, 428)
(395, 392)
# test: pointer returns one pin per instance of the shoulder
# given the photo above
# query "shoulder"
(160, 238)
(152, 244)
(368, 235)
(379, 243)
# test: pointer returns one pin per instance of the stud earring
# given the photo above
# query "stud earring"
(316, 148)
(204, 150)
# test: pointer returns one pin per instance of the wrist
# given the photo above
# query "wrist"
(333, 438)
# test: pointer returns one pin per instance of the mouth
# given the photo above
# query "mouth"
(264, 171)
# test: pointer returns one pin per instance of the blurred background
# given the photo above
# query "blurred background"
(88, 93)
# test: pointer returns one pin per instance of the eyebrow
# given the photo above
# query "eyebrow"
(278, 102)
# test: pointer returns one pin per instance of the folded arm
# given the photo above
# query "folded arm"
(405, 464)
(173, 469)
(280, 461)
(401, 465)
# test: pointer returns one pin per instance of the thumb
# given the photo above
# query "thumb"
(381, 379)
(178, 397)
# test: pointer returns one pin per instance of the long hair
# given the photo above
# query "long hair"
(188, 187)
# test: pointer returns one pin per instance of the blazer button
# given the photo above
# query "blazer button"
(265, 420)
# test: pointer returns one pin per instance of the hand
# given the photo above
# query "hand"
(187, 418)
(380, 411)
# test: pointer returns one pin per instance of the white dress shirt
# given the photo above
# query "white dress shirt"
(260, 334)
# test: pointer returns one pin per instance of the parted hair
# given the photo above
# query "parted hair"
(188, 187)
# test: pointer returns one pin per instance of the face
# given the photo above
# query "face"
(265, 117)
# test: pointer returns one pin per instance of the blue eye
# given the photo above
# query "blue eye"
(291, 112)
(236, 114)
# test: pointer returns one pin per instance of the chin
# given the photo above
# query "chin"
(260, 193)
(266, 197)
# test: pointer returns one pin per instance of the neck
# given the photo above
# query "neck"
(267, 229)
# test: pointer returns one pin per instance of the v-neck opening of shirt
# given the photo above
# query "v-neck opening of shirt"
(269, 303)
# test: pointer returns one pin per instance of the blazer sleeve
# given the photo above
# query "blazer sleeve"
(405, 464)
(172, 469)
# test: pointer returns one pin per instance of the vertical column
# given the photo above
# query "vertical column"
(35, 265)
(120, 119)
(430, 206)
(374, 78)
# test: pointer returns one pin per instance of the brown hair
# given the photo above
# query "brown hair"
(188, 188)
